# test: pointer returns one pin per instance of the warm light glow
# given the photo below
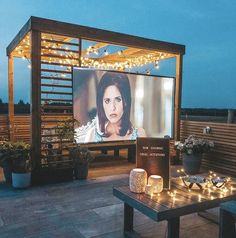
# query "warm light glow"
(199, 197)
(106, 52)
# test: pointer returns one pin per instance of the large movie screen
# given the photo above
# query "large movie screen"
(114, 106)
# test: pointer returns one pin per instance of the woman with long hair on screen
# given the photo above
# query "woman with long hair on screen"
(113, 110)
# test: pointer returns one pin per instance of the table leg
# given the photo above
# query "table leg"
(128, 217)
(116, 152)
(132, 154)
(227, 225)
(173, 228)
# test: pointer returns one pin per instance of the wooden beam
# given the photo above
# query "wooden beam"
(94, 34)
(131, 53)
(36, 96)
(95, 47)
(18, 38)
(178, 93)
(125, 53)
(11, 96)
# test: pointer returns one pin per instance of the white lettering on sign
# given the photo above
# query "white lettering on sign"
(143, 154)
(157, 154)
(156, 148)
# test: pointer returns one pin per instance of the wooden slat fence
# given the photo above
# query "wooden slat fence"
(223, 157)
(22, 127)
(4, 130)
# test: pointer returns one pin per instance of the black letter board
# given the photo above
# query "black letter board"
(153, 156)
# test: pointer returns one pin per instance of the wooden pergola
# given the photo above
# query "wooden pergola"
(53, 48)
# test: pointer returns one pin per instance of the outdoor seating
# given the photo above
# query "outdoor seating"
(227, 220)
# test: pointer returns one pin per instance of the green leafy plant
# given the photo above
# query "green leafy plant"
(65, 132)
(80, 155)
(17, 154)
(194, 145)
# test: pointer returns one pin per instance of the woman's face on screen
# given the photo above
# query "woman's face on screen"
(113, 104)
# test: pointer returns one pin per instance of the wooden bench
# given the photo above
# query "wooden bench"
(116, 146)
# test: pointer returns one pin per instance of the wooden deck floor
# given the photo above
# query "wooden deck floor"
(83, 209)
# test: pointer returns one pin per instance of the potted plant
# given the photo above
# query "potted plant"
(192, 149)
(81, 157)
(21, 164)
(5, 161)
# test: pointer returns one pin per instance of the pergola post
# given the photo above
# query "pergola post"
(11, 96)
(36, 96)
(178, 93)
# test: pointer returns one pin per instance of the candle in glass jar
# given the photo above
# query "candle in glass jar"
(156, 181)
(137, 180)
(149, 189)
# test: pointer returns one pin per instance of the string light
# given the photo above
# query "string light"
(106, 52)
(156, 64)
(60, 50)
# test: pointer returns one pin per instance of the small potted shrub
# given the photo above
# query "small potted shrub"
(192, 149)
(81, 157)
(5, 160)
(21, 165)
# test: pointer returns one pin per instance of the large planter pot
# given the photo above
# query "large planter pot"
(81, 171)
(192, 163)
(21, 180)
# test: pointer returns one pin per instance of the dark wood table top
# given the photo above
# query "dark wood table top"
(178, 201)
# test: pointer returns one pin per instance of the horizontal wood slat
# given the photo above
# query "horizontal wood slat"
(56, 71)
(59, 64)
(56, 78)
(55, 85)
(60, 49)
(223, 157)
(60, 42)
(4, 128)
(60, 93)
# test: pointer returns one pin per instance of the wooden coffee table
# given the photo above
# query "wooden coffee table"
(170, 205)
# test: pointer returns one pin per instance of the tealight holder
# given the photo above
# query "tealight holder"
(197, 182)
(137, 180)
(156, 181)
(219, 181)
(149, 189)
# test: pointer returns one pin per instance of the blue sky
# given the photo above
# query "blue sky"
(207, 28)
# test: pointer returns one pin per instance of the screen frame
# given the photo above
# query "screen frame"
(131, 73)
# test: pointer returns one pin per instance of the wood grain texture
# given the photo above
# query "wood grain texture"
(11, 96)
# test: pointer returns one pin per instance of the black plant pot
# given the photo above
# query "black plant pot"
(81, 171)
(192, 163)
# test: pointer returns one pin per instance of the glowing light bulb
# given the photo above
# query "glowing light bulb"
(199, 197)
(106, 52)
